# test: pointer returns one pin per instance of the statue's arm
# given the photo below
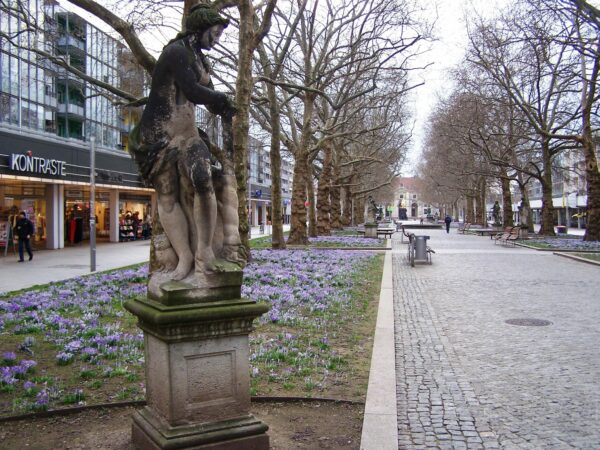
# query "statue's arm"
(186, 79)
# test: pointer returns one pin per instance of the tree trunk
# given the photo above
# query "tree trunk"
(298, 234)
(358, 214)
(507, 216)
(481, 217)
(547, 228)
(312, 210)
(298, 228)
(347, 211)
(277, 239)
(323, 193)
(547, 219)
(525, 202)
(470, 212)
(241, 126)
(592, 229)
(335, 213)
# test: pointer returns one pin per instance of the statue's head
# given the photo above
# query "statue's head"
(205, 25)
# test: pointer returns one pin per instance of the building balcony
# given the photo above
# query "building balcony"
(64, 77)
(66, 41)
(50, 101)
(69, 108)
(47, 65)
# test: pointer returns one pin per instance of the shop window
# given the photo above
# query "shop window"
(50, 126)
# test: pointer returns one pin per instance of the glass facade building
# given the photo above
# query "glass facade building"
(40, 95)
(48, 115)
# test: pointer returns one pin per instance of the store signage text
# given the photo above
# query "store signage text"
(29, 163)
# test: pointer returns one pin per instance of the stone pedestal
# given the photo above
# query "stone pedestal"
(371, 230)
(197, 374)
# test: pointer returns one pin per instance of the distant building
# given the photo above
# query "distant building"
(569, 191)
(260, 180)
(408, 199)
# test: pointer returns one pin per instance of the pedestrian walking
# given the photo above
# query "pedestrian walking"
(448, 221)
(24, 231)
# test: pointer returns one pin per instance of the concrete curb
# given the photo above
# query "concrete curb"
(380, 423)
(577, 258)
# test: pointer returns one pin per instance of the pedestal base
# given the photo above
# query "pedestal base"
(151, 433)
(371, 230)
(197, 375)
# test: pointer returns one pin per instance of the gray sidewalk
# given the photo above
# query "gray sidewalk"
(468, 379)
(69, 262)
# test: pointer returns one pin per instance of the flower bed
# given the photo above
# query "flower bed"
(328, 242)
(564, 244)
(314, 337)
(346, 241)
(72, 342)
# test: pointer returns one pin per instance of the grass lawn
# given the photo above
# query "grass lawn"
(73, 343)
(590, 256)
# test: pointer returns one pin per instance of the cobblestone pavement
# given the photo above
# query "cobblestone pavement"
(466, 378)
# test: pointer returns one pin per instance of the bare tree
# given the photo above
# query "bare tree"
(580, 30)
(338, 53)
(537, 74)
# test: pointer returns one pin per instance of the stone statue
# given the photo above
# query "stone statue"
(524, 214)
(197, 197)
(195, 321)
(371, 210)
(496, 213)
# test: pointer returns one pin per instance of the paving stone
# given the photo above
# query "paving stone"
(462, 368)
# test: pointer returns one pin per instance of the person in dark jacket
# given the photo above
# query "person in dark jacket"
(448, 221)
(24, 231)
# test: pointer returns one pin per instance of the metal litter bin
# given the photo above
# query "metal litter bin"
(421, 248)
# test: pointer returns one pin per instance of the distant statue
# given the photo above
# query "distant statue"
(524, 214)
(496, 213)
(372, 210)
(197, 197)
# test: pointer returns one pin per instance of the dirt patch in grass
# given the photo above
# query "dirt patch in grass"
(292, 425)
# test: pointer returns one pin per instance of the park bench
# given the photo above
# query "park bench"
(465, 227)
(360, 229)
(501, 234)
(510, 236)
(386, 232)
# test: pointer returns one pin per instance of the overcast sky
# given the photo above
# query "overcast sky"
(445, 53)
